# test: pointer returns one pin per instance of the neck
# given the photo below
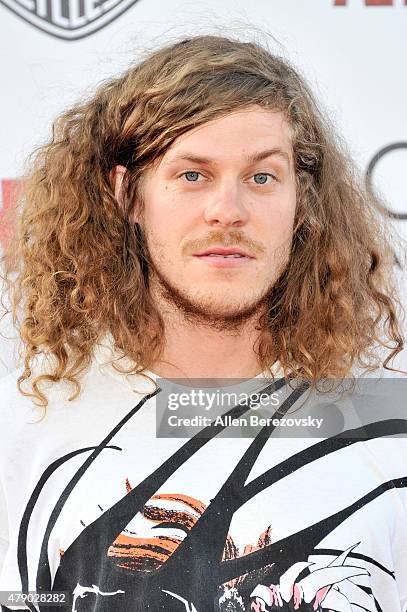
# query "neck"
(194, 350)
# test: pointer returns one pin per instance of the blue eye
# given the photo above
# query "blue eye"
(191, 176)
(261, 178)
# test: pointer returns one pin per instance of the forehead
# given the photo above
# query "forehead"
(242, 132)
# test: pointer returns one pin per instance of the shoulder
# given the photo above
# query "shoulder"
(99, 396)
(17, 412)
(11, 398)
(20, 408)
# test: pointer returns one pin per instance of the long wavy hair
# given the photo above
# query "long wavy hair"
(79, 265)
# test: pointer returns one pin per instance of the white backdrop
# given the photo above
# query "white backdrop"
(352, 51)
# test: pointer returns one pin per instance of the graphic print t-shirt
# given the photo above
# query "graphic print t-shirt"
(97, 506)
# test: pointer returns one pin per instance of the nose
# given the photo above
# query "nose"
(226, 207)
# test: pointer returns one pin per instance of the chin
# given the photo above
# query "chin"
(220, 308)
(222, 301)
(211, 305)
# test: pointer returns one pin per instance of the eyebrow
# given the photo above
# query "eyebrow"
(251, 159)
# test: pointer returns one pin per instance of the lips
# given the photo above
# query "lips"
(220, 252)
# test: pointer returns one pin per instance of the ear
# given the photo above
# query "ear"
(116, 178)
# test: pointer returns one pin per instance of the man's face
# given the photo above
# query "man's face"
(226, 186)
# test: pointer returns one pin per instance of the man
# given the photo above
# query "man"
(196, 218)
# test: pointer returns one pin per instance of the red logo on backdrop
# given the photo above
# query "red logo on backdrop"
(8, 196)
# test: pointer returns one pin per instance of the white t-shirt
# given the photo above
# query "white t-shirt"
(95, 505)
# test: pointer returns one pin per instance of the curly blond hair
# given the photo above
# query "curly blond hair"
(80, 265)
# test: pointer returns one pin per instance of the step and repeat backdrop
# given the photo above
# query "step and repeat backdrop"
(353, 53)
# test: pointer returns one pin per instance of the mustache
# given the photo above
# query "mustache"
(233, 238)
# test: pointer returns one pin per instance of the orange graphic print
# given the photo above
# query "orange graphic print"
(160, 527)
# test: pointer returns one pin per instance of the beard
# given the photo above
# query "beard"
(202, 310)
(199, 308)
